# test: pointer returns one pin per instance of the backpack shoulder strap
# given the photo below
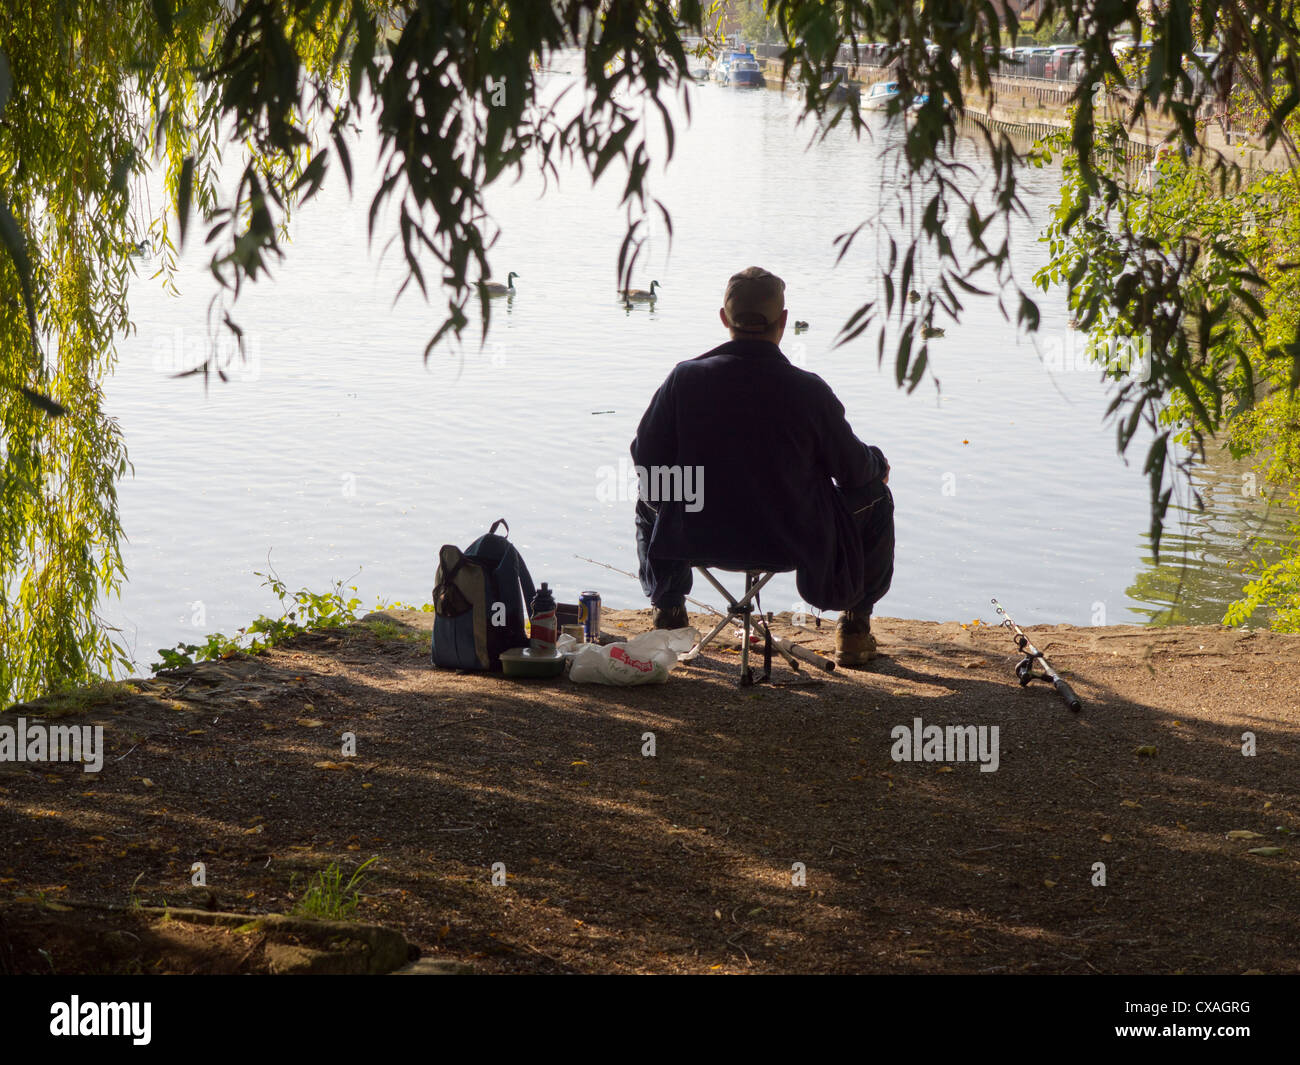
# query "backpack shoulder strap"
(525, 578)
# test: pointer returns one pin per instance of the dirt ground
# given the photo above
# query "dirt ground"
(771, 832)
(45, 936)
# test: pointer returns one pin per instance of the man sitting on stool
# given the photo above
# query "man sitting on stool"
(789, 486)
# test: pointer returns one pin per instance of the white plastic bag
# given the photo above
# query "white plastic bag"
(644, 659)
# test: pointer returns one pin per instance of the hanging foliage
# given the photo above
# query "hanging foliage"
(90, 93)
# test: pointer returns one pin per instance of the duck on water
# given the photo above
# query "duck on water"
(495, 288)
(641, 295)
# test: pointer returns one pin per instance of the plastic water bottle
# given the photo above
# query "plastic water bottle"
(543, 623)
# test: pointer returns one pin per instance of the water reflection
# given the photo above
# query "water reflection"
(342, 447)
(1207, 556)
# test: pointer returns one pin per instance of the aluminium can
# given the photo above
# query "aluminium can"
(589, 615)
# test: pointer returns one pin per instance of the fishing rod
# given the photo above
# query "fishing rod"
(626, 573)
(1025, 668)
(788, 649)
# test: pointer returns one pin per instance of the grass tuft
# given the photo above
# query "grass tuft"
(329, 897)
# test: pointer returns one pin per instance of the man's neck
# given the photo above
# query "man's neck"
(766, 338)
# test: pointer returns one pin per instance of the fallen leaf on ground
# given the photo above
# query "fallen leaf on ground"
(1148, 751)
(309, 722)
(332, 765)
(1244, 833)
(1266, 852)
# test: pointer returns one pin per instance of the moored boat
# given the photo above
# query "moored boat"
(745, 73)
(879, 96)
(838, 88)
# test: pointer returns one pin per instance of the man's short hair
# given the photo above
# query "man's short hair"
(754, 300)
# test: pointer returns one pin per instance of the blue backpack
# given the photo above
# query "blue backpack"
(480, 602)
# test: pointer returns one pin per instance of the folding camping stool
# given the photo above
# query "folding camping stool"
(747, 611)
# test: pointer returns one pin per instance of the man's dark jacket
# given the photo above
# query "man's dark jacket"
(770, 438)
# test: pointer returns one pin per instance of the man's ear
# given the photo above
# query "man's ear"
(722, 314)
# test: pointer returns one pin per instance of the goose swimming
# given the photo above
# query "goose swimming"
(495, 288)
(640, 295)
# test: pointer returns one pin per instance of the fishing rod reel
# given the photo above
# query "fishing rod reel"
(1025, 667)
(1033, 656)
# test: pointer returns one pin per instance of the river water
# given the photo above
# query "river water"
(337, 451)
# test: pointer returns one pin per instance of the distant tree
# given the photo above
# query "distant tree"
(755, 26)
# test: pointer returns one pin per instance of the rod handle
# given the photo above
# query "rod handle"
(811, 657)
(1067, 693)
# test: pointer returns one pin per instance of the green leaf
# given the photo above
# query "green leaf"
(46, 404)
(16, 244)
(312, 175)
(184, 189)
(162, 11)
(6, 80)
(904, 355)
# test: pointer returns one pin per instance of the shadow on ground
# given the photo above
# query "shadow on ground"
(771, 831)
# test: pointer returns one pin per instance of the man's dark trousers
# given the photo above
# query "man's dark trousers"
(668, 582)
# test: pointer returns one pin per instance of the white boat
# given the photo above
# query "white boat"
(878, 97)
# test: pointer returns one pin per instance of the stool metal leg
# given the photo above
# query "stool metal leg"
(746, 677)
(742, 610)
(752, 585)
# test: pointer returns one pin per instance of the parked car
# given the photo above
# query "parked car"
(1036, 62)
(1061, 62)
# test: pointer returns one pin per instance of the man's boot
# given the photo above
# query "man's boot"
(854, 644)
(671, 617)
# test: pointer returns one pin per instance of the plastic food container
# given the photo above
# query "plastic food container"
(527, 662)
